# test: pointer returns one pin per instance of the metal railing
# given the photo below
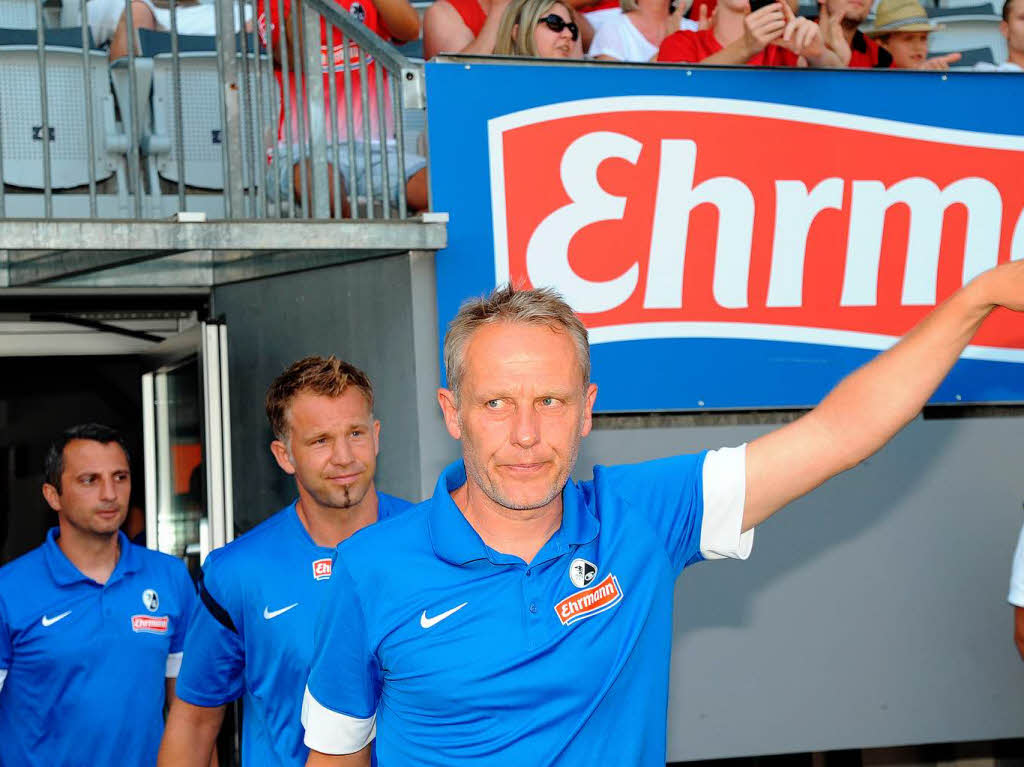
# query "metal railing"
(304, 115)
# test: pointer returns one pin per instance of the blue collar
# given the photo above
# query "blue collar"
(454, 539)
(64, 573)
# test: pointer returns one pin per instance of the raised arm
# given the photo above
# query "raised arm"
(874, 402)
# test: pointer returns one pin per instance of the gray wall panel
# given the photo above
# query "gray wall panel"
(361, 312)
(871, 612)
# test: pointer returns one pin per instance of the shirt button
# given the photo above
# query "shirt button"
(533, 607)
(107, 612)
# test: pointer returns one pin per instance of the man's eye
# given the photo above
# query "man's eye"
(493, 404)
(357, 433)
(548, 401)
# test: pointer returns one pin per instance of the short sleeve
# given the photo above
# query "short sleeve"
(340, 703)
(693, 502)
(608, 41)
(1016, 596)
(187, 599)
(186, 593)
(213, 666)
(680, 46)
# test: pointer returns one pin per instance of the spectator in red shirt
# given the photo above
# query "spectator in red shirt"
(471, 27)
(392, 20)
(902, 28)
(555, 30)
(770, 36)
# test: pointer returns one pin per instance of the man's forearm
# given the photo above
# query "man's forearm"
(358, 759)
(190, 735)
(865, 409)
(483, 44)
(736, 52)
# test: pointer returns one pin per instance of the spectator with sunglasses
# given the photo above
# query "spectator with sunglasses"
(637, 33)
(472, 26)
(771, 36)
(539, 29)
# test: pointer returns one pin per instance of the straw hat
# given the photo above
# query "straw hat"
(901, 16)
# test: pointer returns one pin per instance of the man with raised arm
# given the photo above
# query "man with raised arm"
(252, 636)
(91, 626)
(520, 618)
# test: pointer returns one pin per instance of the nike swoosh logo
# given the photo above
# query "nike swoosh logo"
(51, 621)
(268, 614)
(426, 622)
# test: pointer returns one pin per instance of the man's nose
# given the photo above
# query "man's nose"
(108, 489)
(341, 452)
(525, 427)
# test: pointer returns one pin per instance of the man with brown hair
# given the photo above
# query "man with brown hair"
(261, 594)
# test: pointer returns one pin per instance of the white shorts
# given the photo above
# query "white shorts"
(192, 19)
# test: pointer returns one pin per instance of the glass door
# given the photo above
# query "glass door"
(187, 445)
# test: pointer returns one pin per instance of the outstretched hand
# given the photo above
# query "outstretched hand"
(940, 63)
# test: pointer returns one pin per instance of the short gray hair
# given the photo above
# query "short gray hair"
(539, 306)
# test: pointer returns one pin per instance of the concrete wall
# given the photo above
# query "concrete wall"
(362, 312)
(871, 613)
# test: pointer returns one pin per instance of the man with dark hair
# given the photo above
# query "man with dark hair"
(91, 625)
(253, 634)
(1012, 28)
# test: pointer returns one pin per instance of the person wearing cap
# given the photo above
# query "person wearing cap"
(902, 28)
(1012, 28)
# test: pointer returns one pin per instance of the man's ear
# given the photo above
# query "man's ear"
(376, 437)
(588, 409)
(446, 399)
(52, 496)
(515, 32)
(280, 451)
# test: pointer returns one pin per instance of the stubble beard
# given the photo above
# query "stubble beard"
(492, 488)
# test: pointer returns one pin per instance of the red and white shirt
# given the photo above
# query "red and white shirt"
(337, 127)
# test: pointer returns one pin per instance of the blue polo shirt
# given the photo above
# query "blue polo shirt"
(457, 654)
(252, 636)
(86, 663)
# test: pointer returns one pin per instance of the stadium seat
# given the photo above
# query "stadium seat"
(21, 115)
(18, 14)
(968, 28)
(202, 126)
(968, 58)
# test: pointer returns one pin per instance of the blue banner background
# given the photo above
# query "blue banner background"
(692, 374)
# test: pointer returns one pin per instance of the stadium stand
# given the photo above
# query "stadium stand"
(18, 14)
(968, 28)
(72, 158)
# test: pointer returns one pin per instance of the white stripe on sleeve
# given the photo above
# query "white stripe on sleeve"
(1016, 595)
(725, 484)
(329, 732)
(3, 676)
(174, 664)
